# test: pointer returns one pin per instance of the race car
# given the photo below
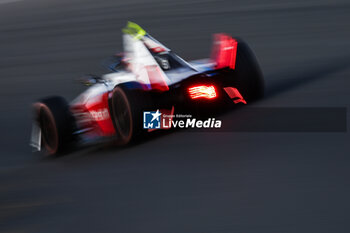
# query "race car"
(147, 77)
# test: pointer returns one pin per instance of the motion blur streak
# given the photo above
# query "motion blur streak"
(180, 182)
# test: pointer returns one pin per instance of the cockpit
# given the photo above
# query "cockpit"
(169, 61)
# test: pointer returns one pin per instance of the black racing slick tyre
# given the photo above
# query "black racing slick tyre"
(127, 106)
(248, 77)
(56, 124)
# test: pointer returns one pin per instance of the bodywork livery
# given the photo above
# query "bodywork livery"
(151, 76)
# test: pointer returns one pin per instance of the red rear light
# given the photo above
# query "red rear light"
(202, 91)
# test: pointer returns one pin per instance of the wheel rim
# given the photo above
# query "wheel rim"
(49, 131)
(122, 115)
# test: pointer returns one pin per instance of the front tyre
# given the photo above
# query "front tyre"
(56, 124)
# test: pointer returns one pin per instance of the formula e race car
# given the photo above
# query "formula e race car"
(147, 78)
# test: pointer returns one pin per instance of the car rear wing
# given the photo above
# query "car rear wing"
(224, 51)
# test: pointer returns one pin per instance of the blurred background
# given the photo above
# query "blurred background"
(182, 182)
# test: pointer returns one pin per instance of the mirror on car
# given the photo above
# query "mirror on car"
(113, 63)
(90, 79)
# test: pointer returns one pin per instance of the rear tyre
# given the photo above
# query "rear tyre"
(127, 107)
(247, 76)
(56, 123)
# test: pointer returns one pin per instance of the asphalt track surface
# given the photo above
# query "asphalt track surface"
(181, 182)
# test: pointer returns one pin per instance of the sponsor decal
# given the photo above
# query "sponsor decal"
(100, 115)
(158, 120)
